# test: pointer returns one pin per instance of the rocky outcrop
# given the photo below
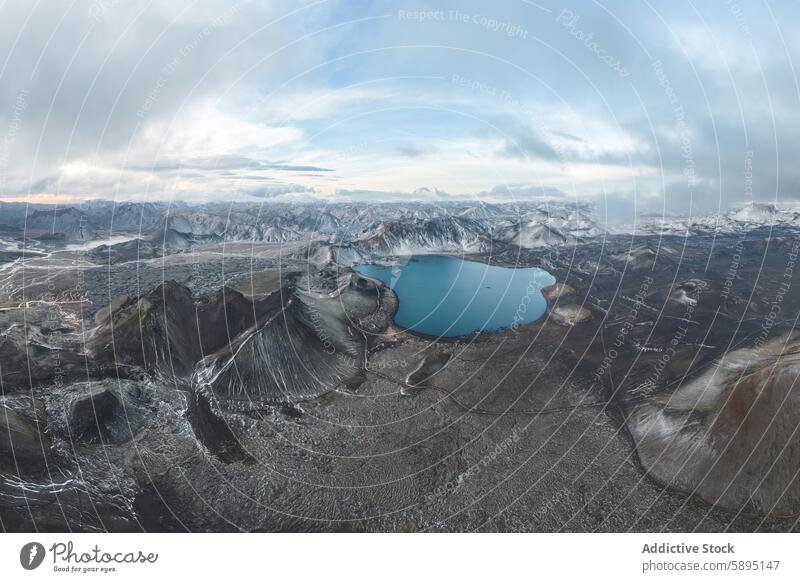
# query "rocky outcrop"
(29, 354)
(131, 250)
(646, 257)
(24, 445)
(557, 291)
(97, 412)
(570, 314)
(320, 256)
(564, 311)
(104, 313)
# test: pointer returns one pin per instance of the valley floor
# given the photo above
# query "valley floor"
(133, 408)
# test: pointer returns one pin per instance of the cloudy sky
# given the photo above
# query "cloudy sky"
(676, 106)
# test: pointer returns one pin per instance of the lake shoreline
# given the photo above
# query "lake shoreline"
(444, 297)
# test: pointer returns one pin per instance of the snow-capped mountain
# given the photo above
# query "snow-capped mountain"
(362, 230)
(759, 213)
(531, 235)
(67, 224)
(751, 216)
(430, 235)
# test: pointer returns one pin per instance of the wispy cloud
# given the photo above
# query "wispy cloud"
(331, 99)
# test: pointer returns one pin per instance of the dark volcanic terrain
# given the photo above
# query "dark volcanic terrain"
(223, 368)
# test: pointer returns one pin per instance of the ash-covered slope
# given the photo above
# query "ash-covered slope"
(299, 353)
(167, 331)
(306, 347)
(157, 331)
(730, 435)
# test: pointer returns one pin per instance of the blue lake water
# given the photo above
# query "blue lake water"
(447, 296)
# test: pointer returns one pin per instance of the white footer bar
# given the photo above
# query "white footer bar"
(401, 557)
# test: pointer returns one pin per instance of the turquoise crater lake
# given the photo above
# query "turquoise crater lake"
(447, 296)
